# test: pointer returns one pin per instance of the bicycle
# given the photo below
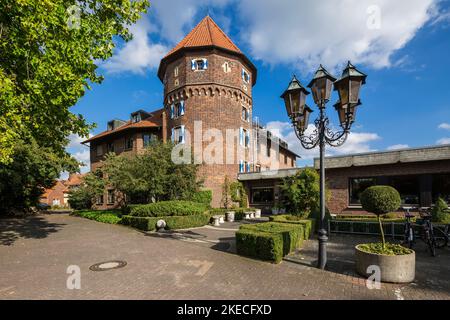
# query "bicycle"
(433, 237)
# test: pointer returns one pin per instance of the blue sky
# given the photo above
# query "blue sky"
(402, 45)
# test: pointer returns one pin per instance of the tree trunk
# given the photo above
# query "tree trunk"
(382, 232)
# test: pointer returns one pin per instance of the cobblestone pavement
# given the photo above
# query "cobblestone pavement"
(193, 264)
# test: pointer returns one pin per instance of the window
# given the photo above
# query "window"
(269, 146)
(226, 67)
(178, 135)
(110, 147)
(111, 126)
(99, 150)
(357, 186)
(136, 118)
(111, 197)
(285, 159)
(246, 138)
(99, 200)
(408, 187)
(258, 168)
(441, 187)
(245, 76)
(148, 138)
(175, 72)
(245, 114)
(262, 195)
(177, 109)
(176, 83)
(199, 64)
(292, 162)
(128, 143)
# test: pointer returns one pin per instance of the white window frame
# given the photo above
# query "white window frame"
(245, 72)
(195, 66)
(245, 111)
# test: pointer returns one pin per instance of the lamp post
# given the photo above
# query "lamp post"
(348, 87)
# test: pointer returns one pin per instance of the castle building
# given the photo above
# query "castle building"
(207, 107)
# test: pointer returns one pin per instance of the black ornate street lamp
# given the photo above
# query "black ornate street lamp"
(348, 87)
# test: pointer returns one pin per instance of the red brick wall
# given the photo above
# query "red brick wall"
(338, 179)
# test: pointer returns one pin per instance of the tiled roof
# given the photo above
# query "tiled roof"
(74, 180)
(206, 33)
(152, 122)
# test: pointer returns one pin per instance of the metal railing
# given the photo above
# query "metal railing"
(395, 230)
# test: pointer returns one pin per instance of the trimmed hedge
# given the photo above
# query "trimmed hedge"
(308, 224)
(203, 196)
(111, 217)
(168, 208)
(173, 222)
(262, 245)
(269, 240)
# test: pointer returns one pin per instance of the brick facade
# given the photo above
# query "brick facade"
(338, 181)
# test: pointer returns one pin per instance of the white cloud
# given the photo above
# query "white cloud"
(357, 142)
(176, 17)
(306, 33)
(139, 54)
(80, 152)
(445, 126)
(443, 141)
(398, 147)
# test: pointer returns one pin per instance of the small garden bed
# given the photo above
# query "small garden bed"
(109, 216)
(269, 241)
(176, 214)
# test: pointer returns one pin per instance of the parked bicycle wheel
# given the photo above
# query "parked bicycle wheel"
(440, 237)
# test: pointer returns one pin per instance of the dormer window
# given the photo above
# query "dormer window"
(245, 76)
(111, 126)
(199, 64)
(136, 118)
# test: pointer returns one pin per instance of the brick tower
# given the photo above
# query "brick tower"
(208, 83)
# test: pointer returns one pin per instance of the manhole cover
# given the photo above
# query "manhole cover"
(108, 265)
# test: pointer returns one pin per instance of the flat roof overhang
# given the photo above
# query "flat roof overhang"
(433, 153)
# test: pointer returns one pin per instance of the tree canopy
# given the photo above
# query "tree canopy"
(151, 176)
(48, 55)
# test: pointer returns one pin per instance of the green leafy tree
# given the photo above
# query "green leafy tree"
(440, 212)
(48, 55)
(151, 176)
(226, 193)
(238, 194)
(83, 197)
(32, 169)
(380, 200)
(301, 192)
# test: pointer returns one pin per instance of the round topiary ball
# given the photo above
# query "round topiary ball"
(380, 199)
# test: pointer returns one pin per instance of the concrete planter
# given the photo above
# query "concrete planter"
(258, 213)
(394, 269)
(275, 211)
(230, 216)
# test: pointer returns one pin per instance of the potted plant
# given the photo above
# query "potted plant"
(275, 209)
(395, 262)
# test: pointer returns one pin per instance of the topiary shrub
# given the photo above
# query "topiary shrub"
(173, 222)
(380, 200)
(440, 212)
(203, 196)
(308, 224)
(260, 245)
(168, 208)
(238, 194)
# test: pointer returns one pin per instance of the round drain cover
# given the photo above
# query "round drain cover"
(108, 265)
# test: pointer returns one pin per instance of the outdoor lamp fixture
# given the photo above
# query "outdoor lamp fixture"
(348, 87)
